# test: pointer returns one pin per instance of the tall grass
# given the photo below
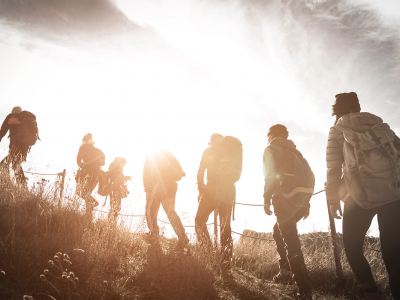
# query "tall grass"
(113, 260)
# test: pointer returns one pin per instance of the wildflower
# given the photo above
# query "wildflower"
(56, 258)
(76, 279)
(43, 277)
(59, 254)
(66, 256)
(46, 271)
(105, 283)
(64, 277)
(51, 262)
(71, 274)
(27, 297)
(2, 273)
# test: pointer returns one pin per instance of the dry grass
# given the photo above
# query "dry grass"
(118, 263)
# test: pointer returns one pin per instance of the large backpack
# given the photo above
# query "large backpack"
(229, 168)
(98, 157)
(168, 167)
(27, 132)
(371, 166)
(295, 173)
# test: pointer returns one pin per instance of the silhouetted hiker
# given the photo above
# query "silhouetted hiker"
(90, 160)
(367, 150)
(289, 181)
(117, 187)
(223, 162)
(160, 173)
(23, 134)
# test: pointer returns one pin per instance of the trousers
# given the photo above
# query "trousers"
(206, 206)
(16, 156)
(287, 239)
(356, 222)
(165, 197)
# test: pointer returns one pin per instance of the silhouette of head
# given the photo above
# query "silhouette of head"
(345, 103)
(215, 139)
(87, 138)
(277, 130)
(16, 110)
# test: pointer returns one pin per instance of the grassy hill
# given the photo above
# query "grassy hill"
(49, 251)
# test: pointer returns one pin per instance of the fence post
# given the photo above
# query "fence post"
(63, 173)
(339, 271)
(216, 227)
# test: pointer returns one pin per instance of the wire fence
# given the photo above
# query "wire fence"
(62, 174)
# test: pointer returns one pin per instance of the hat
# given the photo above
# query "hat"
(16, 110)
(215, 138)
(345, 103)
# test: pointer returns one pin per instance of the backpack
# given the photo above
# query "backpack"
(229, 168)
(168, 167)
(371, 165)
(98, 156)
(295, 173)
(27, 132)
(104, 184)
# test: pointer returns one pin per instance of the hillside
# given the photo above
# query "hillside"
(39, 241)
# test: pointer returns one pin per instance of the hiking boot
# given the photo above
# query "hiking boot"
(303, 295)
(182, 243)
(283, 279)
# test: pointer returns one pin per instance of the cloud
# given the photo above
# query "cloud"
(95, 25)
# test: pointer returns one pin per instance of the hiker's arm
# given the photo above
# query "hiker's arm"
(271, 176)
(334, 162)
(80, 156)
(4, 128)
(201, 173)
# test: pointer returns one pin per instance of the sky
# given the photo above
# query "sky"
(142, 75)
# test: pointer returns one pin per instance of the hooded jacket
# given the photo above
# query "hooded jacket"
(358, 122)
(6, 127)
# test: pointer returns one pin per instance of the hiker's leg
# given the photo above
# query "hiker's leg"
(225, 212)
(20, 154)
(389, 228)
(280, 248)
(287, 223)
(152, 207)
(356, 222)
(206, 207)
(88, 186)
(168, 203)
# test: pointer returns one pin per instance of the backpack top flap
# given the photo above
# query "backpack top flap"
(372, 138)
(371, 166)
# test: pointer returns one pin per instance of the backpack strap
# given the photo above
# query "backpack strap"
(355, 139)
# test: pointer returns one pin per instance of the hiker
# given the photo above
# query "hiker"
(90, 160)
(23, 134)
(367, 150)
(160, 175)
(289, 182)
(117, 183)
(223, 162)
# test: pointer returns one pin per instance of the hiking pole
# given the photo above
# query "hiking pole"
(63, 173)
(216, 227)
(339, 271)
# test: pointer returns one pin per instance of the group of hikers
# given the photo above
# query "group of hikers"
(363, 171)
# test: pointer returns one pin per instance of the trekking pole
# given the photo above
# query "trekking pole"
(339, 270)
(62, 186)
(216, 227)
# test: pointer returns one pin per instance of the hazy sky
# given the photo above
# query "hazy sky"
(167, 73)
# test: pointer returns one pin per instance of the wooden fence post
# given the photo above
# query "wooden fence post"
(216, 227)
(63, 173)
(339, 270)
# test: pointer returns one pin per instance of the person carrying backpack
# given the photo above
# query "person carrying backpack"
(363, 152)
(117, 184)
(289, 182)
(223, 162)
(23, 134)
(161, 172)
(90, 160)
